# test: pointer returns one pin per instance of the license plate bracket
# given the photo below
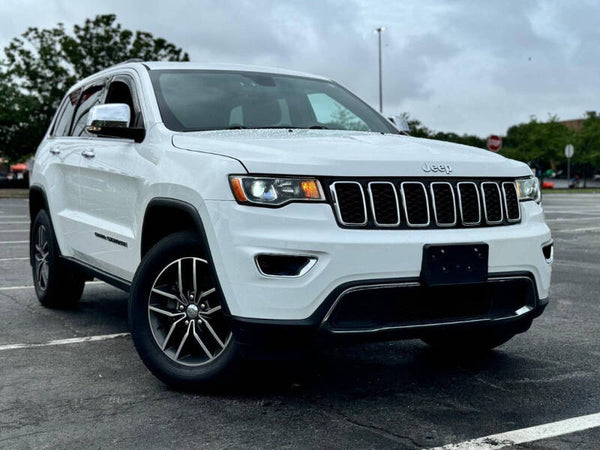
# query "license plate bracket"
(445, 264)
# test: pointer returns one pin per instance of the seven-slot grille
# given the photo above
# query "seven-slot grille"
(425, 204)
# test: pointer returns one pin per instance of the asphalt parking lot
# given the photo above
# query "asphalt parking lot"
(97, 394)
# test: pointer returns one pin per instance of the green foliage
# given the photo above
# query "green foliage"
(543, 142)
(417, 129)
(587, 141)
(41, 65)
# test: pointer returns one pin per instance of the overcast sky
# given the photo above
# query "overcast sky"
(466, 66)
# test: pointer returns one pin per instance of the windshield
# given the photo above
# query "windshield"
(199, 100)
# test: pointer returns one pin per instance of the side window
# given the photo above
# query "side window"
(89, 98)
(121, 92)
(63, 123)
(334, 115)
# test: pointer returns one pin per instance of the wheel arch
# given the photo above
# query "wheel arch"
(176, 210)
(37, 201)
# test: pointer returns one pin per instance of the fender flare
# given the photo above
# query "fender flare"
(189, 209)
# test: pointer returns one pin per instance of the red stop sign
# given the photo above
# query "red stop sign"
(494, 143)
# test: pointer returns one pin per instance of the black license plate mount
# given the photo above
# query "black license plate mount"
(445, 264)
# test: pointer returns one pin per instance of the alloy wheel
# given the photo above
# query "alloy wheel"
(41, 257)
(185, 315)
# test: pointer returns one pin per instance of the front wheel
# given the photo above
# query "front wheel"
(176, 316)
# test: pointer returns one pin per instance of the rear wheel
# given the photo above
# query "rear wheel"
(57, 285)
(475, 341)
(177, 319)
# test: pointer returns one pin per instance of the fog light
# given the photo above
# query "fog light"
(284, 265)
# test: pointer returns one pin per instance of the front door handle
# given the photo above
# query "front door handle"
(88, 153)
(55, 151)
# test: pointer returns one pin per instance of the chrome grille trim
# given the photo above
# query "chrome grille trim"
(514, 186)
(404, 205)
(372, 183)
(336, 203)
(492, 222)
(460, 205)
(435, 215)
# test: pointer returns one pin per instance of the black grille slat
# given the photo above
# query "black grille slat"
(444, 206)
(511, 202)
(469, 203)
(396, 203)
(384, 202)
(416, 204)
(350, 203)
(492, 201)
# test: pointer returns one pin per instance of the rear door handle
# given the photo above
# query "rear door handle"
(88, 153)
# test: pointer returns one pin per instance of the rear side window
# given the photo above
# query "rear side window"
(90, 97)
(63, 123)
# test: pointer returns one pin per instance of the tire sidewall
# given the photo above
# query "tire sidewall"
(42, 219)
(171, 248)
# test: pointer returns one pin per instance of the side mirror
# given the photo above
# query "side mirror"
(113, 120)
(400, 123)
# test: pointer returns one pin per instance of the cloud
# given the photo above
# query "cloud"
(465, 66)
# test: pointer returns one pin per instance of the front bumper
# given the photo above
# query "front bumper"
(385, 310)
(237, 233)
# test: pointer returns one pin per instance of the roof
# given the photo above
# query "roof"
(159, 65)
(167, 65)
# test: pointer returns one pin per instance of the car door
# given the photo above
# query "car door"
(110, 187)
(61, 158)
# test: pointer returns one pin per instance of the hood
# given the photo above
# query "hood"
(348, 153)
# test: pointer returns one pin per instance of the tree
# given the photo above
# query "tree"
(543, 142)
(39, 67)
(587, 144)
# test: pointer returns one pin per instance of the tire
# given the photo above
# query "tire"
(183, 336)
(57, 284)
(469, 342)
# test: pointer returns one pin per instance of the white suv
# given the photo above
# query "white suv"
(248, 208)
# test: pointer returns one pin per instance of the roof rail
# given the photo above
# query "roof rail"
(130, 60)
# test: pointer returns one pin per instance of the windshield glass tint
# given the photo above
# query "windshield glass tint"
(192, 100)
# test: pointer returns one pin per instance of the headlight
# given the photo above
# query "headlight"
(275, 191)
(529, 189)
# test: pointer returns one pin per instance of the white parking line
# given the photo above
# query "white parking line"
(546, 431)
(13, 231)
(64, 341)
(577, 230)
(14, 223)
(14, 259)
(14, 288)
(14, 242)
(14, 217)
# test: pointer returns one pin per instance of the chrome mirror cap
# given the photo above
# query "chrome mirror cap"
(400, 123)
(113, 115)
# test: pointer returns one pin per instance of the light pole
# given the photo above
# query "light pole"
(379, 31)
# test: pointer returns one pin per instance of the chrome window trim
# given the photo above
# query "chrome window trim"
(412, 225)
(513, 184)
(492, 222)
(336, 203)
(373, 209)
(437, 222)
(462, 218)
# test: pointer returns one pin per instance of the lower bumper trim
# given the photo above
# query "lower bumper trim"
(304, 333)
